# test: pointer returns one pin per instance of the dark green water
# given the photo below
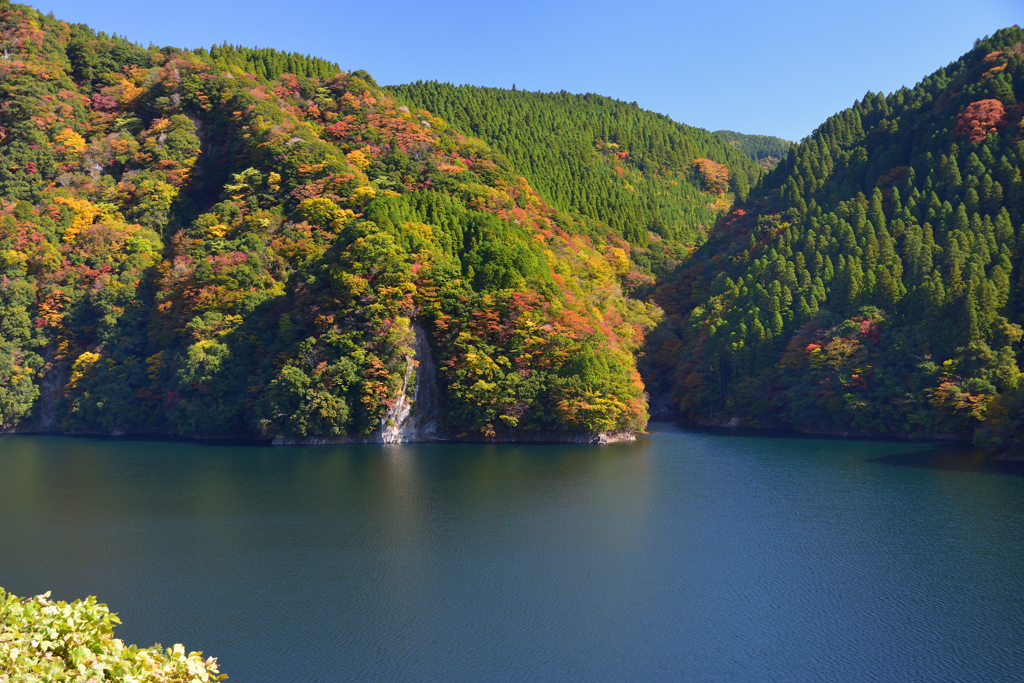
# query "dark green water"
(681, 557)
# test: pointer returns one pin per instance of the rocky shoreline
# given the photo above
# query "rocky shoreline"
(539, 437)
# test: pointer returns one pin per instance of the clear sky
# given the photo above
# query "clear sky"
(755, 66)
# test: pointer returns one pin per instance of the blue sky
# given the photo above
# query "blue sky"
(775, 68)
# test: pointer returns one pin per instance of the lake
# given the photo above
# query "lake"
(683, 556)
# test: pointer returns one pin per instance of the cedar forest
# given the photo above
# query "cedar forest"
(873, 282)
(245, 242)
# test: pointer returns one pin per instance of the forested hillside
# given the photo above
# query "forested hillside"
(268, 62)
(244, 242)
(766, 150)
(606, 163)
(248, 242)
(874, 284)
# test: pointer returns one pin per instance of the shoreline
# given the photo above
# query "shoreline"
(540, 438)
(735, 426)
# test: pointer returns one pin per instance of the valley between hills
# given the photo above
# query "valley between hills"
(246, 243)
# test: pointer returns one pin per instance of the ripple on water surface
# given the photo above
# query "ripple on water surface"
(681, 556)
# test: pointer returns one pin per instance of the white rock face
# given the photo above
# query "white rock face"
(415, 419)
(416, 414)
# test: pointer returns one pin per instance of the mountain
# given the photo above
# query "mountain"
(246, 242)
(605, 163)
(872, 284)
(234, 242)
(766, 150)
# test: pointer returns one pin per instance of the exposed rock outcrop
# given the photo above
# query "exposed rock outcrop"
(416, 414)
(44, 418)
(415, 418)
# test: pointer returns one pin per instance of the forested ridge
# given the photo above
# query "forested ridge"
(244, 242)
(607, 163)
(241, 242)
(873, 284)
(766, 150)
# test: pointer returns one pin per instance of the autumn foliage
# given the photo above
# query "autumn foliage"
(713, 175)
(871, 284)
(981, 118)
(187, 247)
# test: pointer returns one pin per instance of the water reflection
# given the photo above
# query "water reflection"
(684, 555)
(954, 457)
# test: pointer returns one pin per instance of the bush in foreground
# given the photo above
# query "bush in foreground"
(43, 641)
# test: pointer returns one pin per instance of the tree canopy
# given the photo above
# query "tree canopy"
(609, 164)
(239, 242)
(872, 284)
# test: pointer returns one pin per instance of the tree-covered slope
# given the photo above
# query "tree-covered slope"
(188, 248)
(269, 63)
(874, 284)
(602, 160)
(766, 150)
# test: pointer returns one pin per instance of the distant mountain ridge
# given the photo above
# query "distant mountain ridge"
(766, 150)
(602, 161)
